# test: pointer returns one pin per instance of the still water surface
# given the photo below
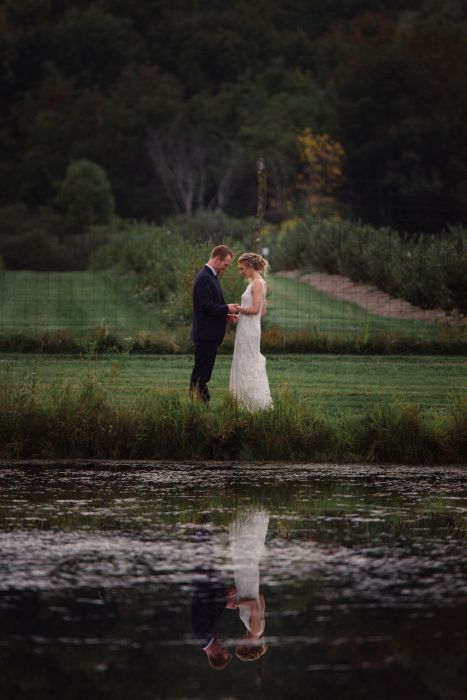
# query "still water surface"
(345, 582)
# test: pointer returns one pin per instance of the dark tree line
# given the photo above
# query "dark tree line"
(176, 99)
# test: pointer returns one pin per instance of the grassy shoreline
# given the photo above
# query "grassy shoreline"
(86, 422)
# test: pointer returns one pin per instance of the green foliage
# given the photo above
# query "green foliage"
(84, 197)
(94, 80)
(31, 250)
(39, 249)
(146, 253)
(162, 263)
(429, 271)
(405, 164)
(14, 219)
(94, 44)
(213, 227)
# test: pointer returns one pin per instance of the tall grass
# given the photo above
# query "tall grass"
(87, 422)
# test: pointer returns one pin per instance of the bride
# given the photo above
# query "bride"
(247, 534)
(248, 378)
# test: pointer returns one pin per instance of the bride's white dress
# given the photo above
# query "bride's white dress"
(248, 379)
(247, 534)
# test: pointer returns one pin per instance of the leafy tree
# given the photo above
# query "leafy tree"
(93, 46)
(272, 110)
(404, 117)
(322, 168)
(96, 79)
(85, 197)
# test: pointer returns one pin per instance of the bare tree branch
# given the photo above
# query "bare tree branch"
(193, 174)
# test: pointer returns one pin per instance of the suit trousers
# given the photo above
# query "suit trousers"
(205, 357)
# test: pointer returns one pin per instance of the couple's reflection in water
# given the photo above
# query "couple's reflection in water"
(213, 594)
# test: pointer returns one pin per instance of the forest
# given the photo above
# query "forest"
(174, 100)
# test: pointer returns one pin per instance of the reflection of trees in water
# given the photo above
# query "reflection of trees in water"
(321, 502)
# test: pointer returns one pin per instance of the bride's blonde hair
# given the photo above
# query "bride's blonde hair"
(256, 261)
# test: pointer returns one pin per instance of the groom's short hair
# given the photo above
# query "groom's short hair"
(221, 251)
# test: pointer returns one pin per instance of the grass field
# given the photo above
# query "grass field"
(31, 302)
(297, 306)
(329, 382)
(35, 301)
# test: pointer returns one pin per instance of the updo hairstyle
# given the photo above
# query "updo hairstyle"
(257, 262)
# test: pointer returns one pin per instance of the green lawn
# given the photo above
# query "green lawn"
(31, 302)
(328, 381)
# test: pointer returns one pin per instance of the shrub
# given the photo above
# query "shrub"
(186, 268)
(154, 342)
(14, 219)
(61, 341)
(27, 251)
(429, 271)
(36, 242)
(213, 227)
(147, 253)
(161, 265)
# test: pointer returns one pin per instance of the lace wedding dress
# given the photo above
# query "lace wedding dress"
(248, 379)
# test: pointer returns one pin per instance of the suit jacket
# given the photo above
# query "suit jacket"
(209, 597)
(209, 308)
(207, 604)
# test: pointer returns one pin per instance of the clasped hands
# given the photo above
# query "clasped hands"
(232, 316)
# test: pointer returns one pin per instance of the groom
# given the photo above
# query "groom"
(209, 318)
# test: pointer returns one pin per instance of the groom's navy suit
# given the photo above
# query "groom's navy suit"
(208, 330)
(209, 595)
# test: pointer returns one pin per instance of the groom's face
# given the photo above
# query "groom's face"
(222, 265)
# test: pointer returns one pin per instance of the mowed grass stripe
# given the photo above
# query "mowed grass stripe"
(77, 301)
(330, 382)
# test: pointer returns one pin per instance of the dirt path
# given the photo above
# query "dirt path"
(372, 299)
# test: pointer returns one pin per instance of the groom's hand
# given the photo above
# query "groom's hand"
(233, 308)
(232, 319)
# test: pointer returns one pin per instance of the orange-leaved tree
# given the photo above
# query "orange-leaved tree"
(321, 159)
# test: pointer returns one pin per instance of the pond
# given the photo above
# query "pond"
(232, 581)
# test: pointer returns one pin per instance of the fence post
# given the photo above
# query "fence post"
(261, 207)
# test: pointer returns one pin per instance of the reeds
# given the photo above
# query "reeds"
(85, 421)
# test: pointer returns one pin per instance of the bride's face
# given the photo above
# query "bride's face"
(244, 270)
